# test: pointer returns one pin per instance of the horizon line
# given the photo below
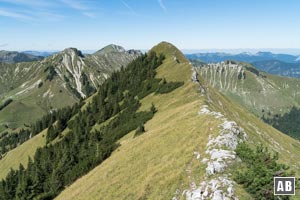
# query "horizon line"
(187, 50)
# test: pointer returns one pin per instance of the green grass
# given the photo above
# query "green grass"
(20, 154)
(20, 110)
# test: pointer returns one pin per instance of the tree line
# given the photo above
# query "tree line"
(61, 162)
(9, 141)
(257, 171)
(288, 123)
(6, 103)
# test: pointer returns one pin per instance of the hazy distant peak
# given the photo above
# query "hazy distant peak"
(110, 48)
(14, 57)
(247, 53)
(264, 53)
(39, 53)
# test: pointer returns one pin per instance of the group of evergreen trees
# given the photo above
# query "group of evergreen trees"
(6, 103)
(256, 175)
(12, 140)
(9, 141)
(289, 123)
(51, 72)
(87, 87)
(61, 162)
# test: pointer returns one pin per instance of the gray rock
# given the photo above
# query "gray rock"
(197, 155)
(194, 76)
(230, 191)
(217, 195)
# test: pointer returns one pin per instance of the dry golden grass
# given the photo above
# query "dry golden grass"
(142, 166)
(21, 154)
(154, 160)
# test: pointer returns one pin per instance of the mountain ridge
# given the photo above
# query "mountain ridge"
(174, 145)
(277, 64)
(278, 67)
(40, 85)
(243, 57)
(187, 149)
(17, 57)
(263, 94)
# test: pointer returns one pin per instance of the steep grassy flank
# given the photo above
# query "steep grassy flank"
(158, 158)
(21, 154)
(161, 161)
(37, 100)
(258, 131)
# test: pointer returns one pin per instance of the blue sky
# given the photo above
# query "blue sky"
(140, 24)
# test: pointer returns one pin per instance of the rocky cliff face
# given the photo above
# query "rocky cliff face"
(223, 75)
(256, 90)
(58, 80)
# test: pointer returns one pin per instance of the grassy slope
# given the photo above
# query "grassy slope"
(169, 134)
(21, 154)
(35, 102)
(158, 159)
(259, 133)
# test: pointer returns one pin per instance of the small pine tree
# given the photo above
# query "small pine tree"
(140, 130)
(153, 108)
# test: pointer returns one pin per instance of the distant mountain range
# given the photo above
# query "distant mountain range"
(278, 64)
(40, 53)
(243, 57)
(15, 57)
(279, 67)
(55, 81)
(28, 56)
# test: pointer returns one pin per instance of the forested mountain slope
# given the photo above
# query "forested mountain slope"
(54, 82)
(278, 67)
(70, 155)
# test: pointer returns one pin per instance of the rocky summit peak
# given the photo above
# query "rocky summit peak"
(110, 49)
(72, 50)
(169, 49)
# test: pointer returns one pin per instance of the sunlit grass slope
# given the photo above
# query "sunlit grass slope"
(156, 164)
(142, 166)
(20, 154)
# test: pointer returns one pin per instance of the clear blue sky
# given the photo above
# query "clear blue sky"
(140, 24)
